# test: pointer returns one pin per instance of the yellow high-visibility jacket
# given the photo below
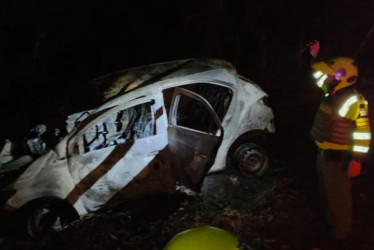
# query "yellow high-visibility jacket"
(342, 122)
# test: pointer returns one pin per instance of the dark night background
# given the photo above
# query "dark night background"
(49, 49)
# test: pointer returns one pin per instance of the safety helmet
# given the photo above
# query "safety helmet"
(337, 73)
(204, 238)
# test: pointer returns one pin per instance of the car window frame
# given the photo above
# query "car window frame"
(173, 112)
(74, 145)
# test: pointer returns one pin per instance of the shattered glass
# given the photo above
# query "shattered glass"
(117, 128)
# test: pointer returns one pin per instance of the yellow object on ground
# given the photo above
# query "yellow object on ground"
(203, 238)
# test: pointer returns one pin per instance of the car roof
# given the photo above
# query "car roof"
(105, 88)
(120, 82)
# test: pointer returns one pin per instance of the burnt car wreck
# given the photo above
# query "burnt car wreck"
(158, 127)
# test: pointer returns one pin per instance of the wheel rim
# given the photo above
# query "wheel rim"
(252, 161)
(42, 220)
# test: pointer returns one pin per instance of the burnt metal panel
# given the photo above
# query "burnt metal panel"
(88, 181)
(156, 177)
(191, 155)
(192, 152)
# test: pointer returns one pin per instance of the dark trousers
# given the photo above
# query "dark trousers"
(335, 187)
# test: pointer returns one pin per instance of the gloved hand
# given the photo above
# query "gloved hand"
(314, 48)
(354, 168)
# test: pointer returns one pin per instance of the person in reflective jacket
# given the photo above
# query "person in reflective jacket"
(341, 130)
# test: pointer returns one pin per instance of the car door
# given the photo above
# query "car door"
(107, 153)
(194, 136)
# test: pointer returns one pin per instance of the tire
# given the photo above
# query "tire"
(251, 160)
(46, 215)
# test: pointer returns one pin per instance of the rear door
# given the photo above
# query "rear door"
(194, 136)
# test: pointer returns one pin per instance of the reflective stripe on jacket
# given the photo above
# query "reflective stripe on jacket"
(342, 122)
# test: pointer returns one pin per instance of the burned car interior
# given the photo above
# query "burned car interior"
(120, 126)
(138, 122)
(192, 114)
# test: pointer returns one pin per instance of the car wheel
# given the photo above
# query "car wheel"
(251, 160)
(46, 215)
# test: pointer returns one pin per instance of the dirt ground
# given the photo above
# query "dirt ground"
(277, 211)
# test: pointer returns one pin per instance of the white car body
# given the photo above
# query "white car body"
(89, 177)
